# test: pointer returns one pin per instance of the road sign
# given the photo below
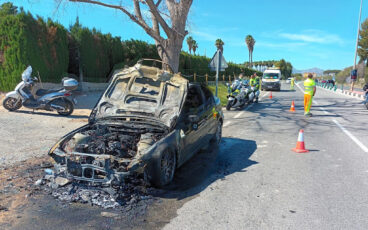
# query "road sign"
(213, 63)
(217, 63)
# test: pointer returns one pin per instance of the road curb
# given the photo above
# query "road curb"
(345, 92)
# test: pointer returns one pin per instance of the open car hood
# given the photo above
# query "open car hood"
(144, 92)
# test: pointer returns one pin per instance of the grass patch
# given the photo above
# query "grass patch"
(222, 92)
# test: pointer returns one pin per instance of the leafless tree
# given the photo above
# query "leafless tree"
(170, 16)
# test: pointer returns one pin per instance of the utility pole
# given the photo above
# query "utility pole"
(356, 46)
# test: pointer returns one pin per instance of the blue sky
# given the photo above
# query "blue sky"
(308, 33)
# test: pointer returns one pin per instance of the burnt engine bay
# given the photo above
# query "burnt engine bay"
(105, 148)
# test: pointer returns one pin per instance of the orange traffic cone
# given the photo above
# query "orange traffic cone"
(271, 95)
(292, 108)
(300, 148)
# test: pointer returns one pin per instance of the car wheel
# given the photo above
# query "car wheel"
(11, 104)
(162, 168)
(218, 135)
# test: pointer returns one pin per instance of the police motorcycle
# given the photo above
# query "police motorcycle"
(256, 93)
(59, 100)
(239, 94)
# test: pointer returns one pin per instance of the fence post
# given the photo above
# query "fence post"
(223, 77)
(229, 78)
(206, 79)
(195, 77)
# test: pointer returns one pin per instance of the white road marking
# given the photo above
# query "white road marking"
(239, 114)
(320, 107)
(227, 123)
(360, 144)
(300, 87)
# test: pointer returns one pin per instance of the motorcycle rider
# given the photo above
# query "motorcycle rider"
(236, 85)
(254, 82)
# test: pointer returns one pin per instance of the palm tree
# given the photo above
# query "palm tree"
(190, 43)
(249, 40)
(220, 45)
(194, 46)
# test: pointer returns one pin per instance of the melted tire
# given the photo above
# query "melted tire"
(160, 171)
(218, 135)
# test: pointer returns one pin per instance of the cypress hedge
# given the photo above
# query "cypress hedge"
(54, 51)
(27, 41)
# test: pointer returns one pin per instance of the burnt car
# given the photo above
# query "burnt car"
(148, 122)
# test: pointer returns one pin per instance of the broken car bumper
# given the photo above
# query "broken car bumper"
(87, 167)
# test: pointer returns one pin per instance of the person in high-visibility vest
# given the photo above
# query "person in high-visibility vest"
(254, 82)
(292, 82)
(309, 92)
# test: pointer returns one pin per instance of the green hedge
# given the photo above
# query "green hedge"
(95, 52)
(24, 41)
(53, 51)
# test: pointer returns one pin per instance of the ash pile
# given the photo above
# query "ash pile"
(135, 192)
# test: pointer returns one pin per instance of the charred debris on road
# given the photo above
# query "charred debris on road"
(133, 193)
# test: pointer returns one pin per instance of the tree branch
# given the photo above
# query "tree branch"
(135, 19)
(137, 10)
(159, 18)
(158, 3)
(155, 25)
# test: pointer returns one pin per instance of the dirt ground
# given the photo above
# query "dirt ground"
(26, 137)
(23, 205)
(25, 134)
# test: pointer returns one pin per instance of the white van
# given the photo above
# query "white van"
(271, 79)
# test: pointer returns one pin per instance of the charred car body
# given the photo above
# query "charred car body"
(147, 122)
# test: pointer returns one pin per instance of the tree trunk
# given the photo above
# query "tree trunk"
(169, 52)
(251, 59)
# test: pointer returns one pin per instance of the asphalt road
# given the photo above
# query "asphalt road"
(252, 181)
(267, 186)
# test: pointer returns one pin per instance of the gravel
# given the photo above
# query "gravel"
(24, 134)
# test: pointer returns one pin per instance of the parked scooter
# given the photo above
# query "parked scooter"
(59, 100)
(239, 94)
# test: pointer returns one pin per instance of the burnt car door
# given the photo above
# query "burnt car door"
(193, 122)
(210, 122)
